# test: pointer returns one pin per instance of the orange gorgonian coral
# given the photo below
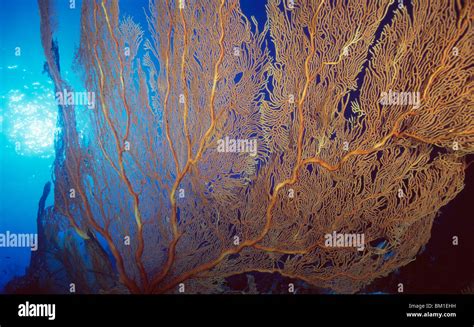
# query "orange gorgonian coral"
(219, 146)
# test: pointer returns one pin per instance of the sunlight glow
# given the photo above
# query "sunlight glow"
(32, 124)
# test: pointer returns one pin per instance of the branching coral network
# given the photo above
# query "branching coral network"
(362, 115)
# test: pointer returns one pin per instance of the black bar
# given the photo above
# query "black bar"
(242, 309)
